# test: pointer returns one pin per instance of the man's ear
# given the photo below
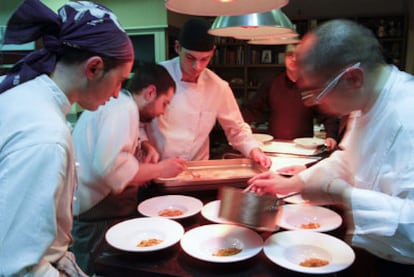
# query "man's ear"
(177, 47)
(94, 67)
(150, 93)
(355, 78)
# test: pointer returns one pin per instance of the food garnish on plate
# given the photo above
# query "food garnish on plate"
(230, 251)
(310, 225)
(170, 212)
(314, 262)
(149, 242)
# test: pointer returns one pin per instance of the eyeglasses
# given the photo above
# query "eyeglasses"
(314, 96)
(290, 54)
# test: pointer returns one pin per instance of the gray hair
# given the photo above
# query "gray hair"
(340, 43)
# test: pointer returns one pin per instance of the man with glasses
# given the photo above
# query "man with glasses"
(342, 69)
(280, 103)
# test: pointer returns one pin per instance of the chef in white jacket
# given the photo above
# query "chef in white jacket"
(372, 175)
(202, 98)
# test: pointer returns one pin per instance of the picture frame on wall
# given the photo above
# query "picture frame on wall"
(266, 56)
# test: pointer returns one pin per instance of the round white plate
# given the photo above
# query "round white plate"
(309, 143)
(187, 204)
(128, 234)
(263, 138)
(289, 248)
(210, 211)
(295, 199)
(292, 216)
(202, 242)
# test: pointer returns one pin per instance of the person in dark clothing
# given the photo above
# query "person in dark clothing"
(280, 103)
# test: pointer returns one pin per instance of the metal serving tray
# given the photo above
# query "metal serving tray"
(212, 174)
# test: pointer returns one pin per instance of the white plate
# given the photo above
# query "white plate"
(187, 204)
(291, 217)
(202, 242)
(128, 234)
(295, 199)
(210, 211)
(263, 138)
(284, 147)
(309, 143)
(289, 248)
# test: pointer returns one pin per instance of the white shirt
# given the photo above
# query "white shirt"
(183, 131)
(379, 153)
(105, 141)
(37, 180)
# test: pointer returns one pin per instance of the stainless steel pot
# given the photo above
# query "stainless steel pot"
(248, 208)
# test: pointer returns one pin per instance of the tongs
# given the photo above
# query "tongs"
(279, 200)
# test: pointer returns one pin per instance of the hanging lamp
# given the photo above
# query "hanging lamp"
(223, 7)
(274, 41)
(252, 25)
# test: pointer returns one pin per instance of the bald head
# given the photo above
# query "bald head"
(337, 44)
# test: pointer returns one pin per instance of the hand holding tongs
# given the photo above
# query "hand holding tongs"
(247, 189)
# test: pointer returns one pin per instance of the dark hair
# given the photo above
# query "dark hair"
(151, 74)
(71, 55)
(338, 44)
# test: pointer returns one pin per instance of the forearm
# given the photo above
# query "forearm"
(146, 172)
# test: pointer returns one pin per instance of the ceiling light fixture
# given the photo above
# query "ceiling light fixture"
(274, 41)
(291, 35)
(252, 25)
(223, 7)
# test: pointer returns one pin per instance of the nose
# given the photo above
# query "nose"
(196, 65)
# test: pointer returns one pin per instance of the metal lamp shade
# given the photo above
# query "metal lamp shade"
(252, 25)
(274, 41)
(291, 35)
(223, 7)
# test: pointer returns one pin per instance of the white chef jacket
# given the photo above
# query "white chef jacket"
(379, 153)
(37, 180)
(105, 141)
(183, 131)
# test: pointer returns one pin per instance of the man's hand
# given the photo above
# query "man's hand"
(259, 157)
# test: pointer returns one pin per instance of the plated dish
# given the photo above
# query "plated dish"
(308, 217)
(263, 138)
(309, 143)
(170, 206)
(308, 252)
(144, 234)
(221, 243)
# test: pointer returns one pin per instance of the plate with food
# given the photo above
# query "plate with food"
(308, 217)
(170, 206)
(144, 234)
(263, 138)
(221, 243)
(309, 143)
(308, 252)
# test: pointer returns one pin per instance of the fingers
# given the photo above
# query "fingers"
(263, 175)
